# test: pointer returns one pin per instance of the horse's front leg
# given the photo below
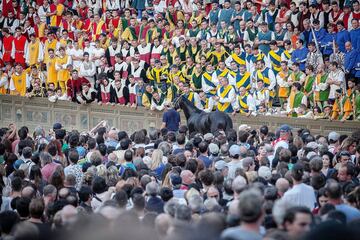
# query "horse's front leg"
(191, 127)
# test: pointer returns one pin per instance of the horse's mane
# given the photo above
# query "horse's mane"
(187, 101)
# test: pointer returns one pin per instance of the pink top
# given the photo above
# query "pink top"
(48, 170)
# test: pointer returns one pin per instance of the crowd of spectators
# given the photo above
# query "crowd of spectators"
(249, 184)
(259, 57)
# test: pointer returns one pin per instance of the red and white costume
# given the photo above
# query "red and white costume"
(156, 51)
(111, 52)
(132, 93)
(19, 48)
(145, 52)
(105, 93)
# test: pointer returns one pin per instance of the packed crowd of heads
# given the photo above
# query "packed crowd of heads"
(298, 59)
(157, 184)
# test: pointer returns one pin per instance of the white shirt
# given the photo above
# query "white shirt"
(42, 13)
(97, 52)
(261, 96)
(12, 28)
(4, 81)
(320, 16)
(339, 77)
(87, 70)
(159, 8)
(89, 50)
(94, 4)
(75, 53)
(112, 5)
(175, 40)
(301, 195)
(123, 66)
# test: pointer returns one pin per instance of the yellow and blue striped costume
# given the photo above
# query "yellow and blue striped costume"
(224, 92)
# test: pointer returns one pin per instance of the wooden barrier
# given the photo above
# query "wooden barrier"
(40, 112)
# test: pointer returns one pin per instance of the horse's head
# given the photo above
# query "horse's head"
(177, 101)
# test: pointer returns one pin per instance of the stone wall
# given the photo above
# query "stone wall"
(37, 111)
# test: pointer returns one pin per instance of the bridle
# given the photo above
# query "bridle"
(177, 100)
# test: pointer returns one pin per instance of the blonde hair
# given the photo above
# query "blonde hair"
(156, 159)
(101, 171)
(298, 142)
(112, 175)
(347, 143)
(166, 182)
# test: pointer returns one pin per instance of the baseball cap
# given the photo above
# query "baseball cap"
(310, 155)
(57, 126)
(285, 128)
(334, 136)
(213, 148)
(220, 165)
(18, 163)
(208, 136)
(312, 145)
(234, 150)
(81, 151)
(175, 180)
(244, 127)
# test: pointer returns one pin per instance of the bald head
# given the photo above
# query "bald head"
(348, 46)
(113, 134)
(333, 190)
(282, 185)
(112, 157)
(187, 177)
(243, 152)
(64, 193)
(213, 192)
(119, 185)
(247, 163)
(233, 208)
(162, 224)
(239, 184)
(28, 192)
(110, 212)
(68, 214)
